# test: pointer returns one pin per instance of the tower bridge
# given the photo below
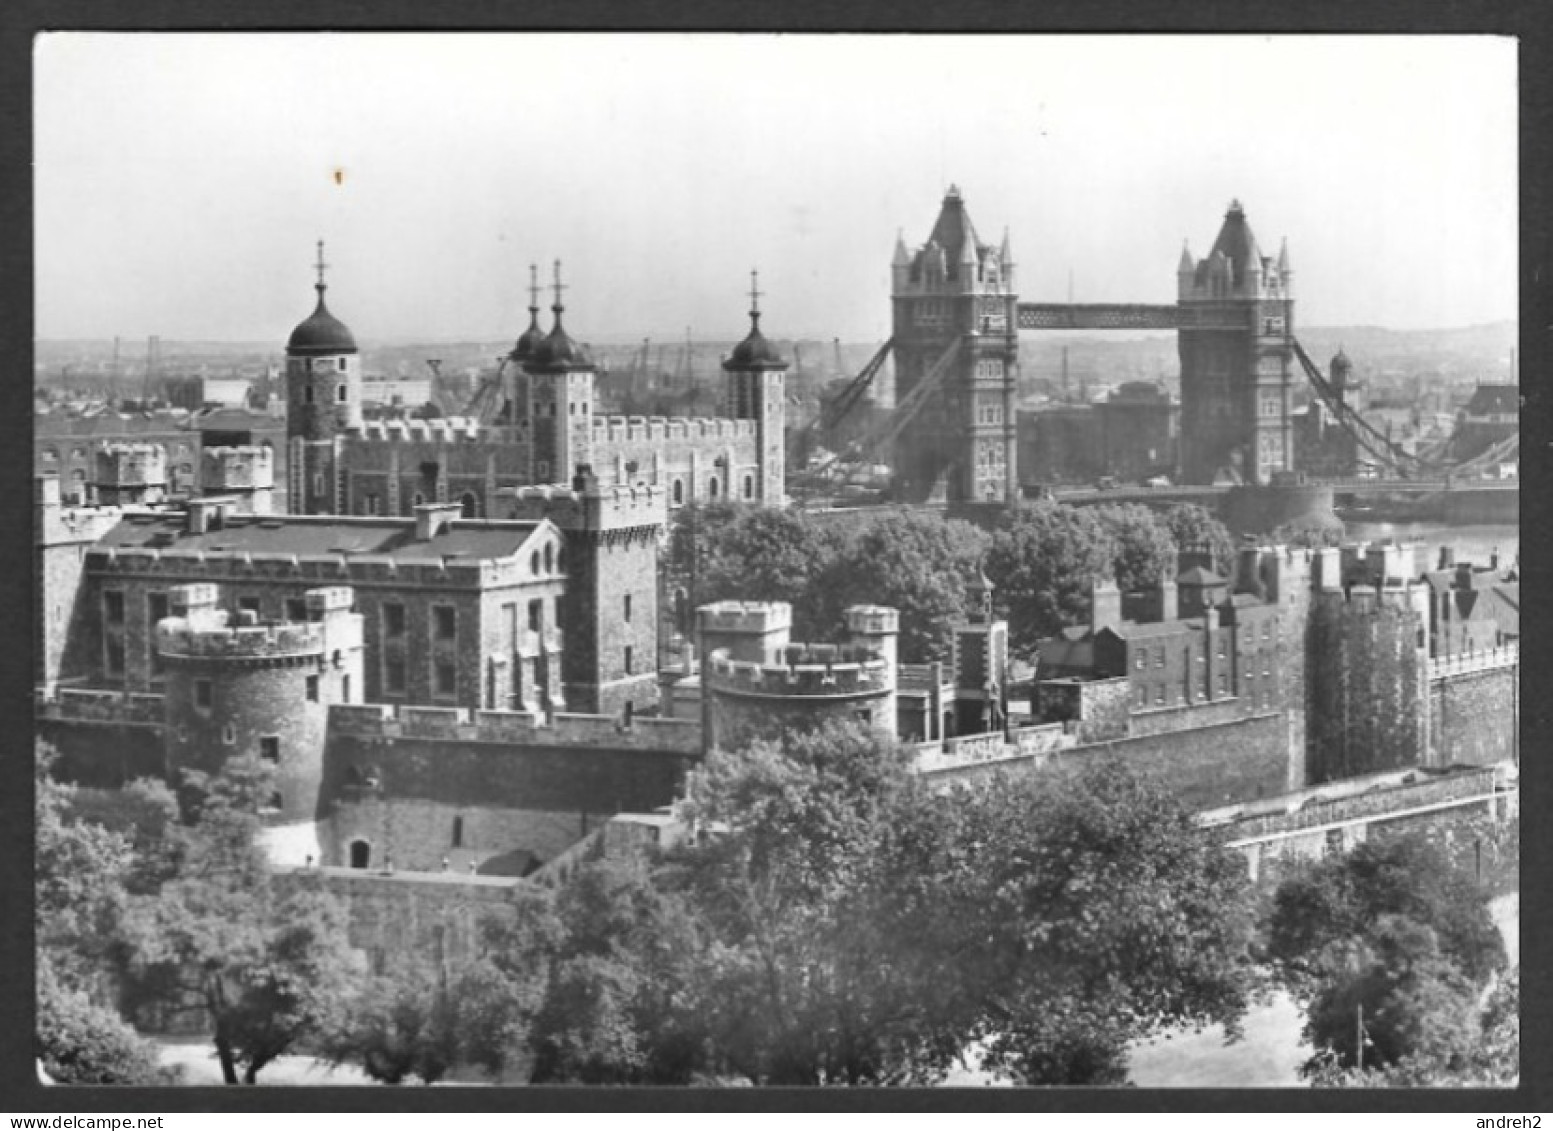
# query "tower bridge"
(956, 317)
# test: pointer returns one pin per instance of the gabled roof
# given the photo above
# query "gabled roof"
(1495, 400)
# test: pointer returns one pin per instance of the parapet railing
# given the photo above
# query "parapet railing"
(1464, 663)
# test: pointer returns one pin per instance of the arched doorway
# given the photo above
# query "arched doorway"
(361, 854)
(470, 505)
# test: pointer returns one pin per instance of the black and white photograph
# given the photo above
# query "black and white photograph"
(779, 560)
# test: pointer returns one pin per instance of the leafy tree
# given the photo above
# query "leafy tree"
(1043, 562)
(916, 562)
(808, 976)
(1141, 545)
(79, 903)
(735, 551)
(497, 998)
(1094, 914)
(1393, 927)
(81, 1041)
(1191, 526)
(267, 969)
(1339, 899)
(616, 1008)
(401, 1024)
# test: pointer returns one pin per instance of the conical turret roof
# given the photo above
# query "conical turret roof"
(1237, 244)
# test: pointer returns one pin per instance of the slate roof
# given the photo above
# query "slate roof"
(322, 536)
(1495, 400)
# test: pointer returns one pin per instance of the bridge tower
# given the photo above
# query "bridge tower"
(1236, 318)
(956, 293)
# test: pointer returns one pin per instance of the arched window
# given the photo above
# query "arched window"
(361, 854)
(533, 563)
(470, 505)
(679, 492)
(550, 558)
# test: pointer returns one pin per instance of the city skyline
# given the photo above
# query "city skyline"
(437, 167)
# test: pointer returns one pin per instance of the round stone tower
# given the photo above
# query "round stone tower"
(235, 686)
(754, 684)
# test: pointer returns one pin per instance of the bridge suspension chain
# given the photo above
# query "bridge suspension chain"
(1391, 456)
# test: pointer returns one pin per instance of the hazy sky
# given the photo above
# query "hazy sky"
(183, 179)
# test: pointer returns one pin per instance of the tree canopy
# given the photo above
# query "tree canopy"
(1392, 929)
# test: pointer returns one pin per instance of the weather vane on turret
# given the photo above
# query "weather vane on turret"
(533, 289)
(755, 293)
(321, 286)
(558, 287)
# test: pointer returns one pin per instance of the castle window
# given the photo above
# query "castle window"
(393, 675)
(444, 619)
(307, 395)
(296, 609)
(340, 365)
(550, 558)
(711, 488)
(1159, 694)
(115, 655)
(393, 620)
(628, 659)
(113, 606)
(372, 504)
(534, 608)
(469, 505)
(533, 563)
(340, 394)
(229, 734)
(248, 605)
(269, 747)
(679, 492)
(360, 855)
(749, 486)
(312, 689)
(50, 455)
(626, 607)
(345, 689)
(318, 483)
(458, 832)
(202, 693)
(446, 678)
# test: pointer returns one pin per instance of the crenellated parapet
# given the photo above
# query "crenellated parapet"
(807, 671)
(465, 431)
(590, 508)
(752, 617)
(659, 429)
(514, 728)
(180, 641)
(132, 465)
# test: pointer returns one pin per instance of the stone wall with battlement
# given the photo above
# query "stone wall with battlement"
(818, 670)
(179, 639)
(375, 721)
(243, 468)
(616, 430)
(104, 738)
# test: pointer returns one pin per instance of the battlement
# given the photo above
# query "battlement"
(1396, 593)
(626, 429)
(132, 465)
(216, 638)
(237, 468)
(1466, 663)
(808, 670)
(441, 431)
(593, 507)
(514, 728)
(873, 620)
(98, 705)
(753, 617)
